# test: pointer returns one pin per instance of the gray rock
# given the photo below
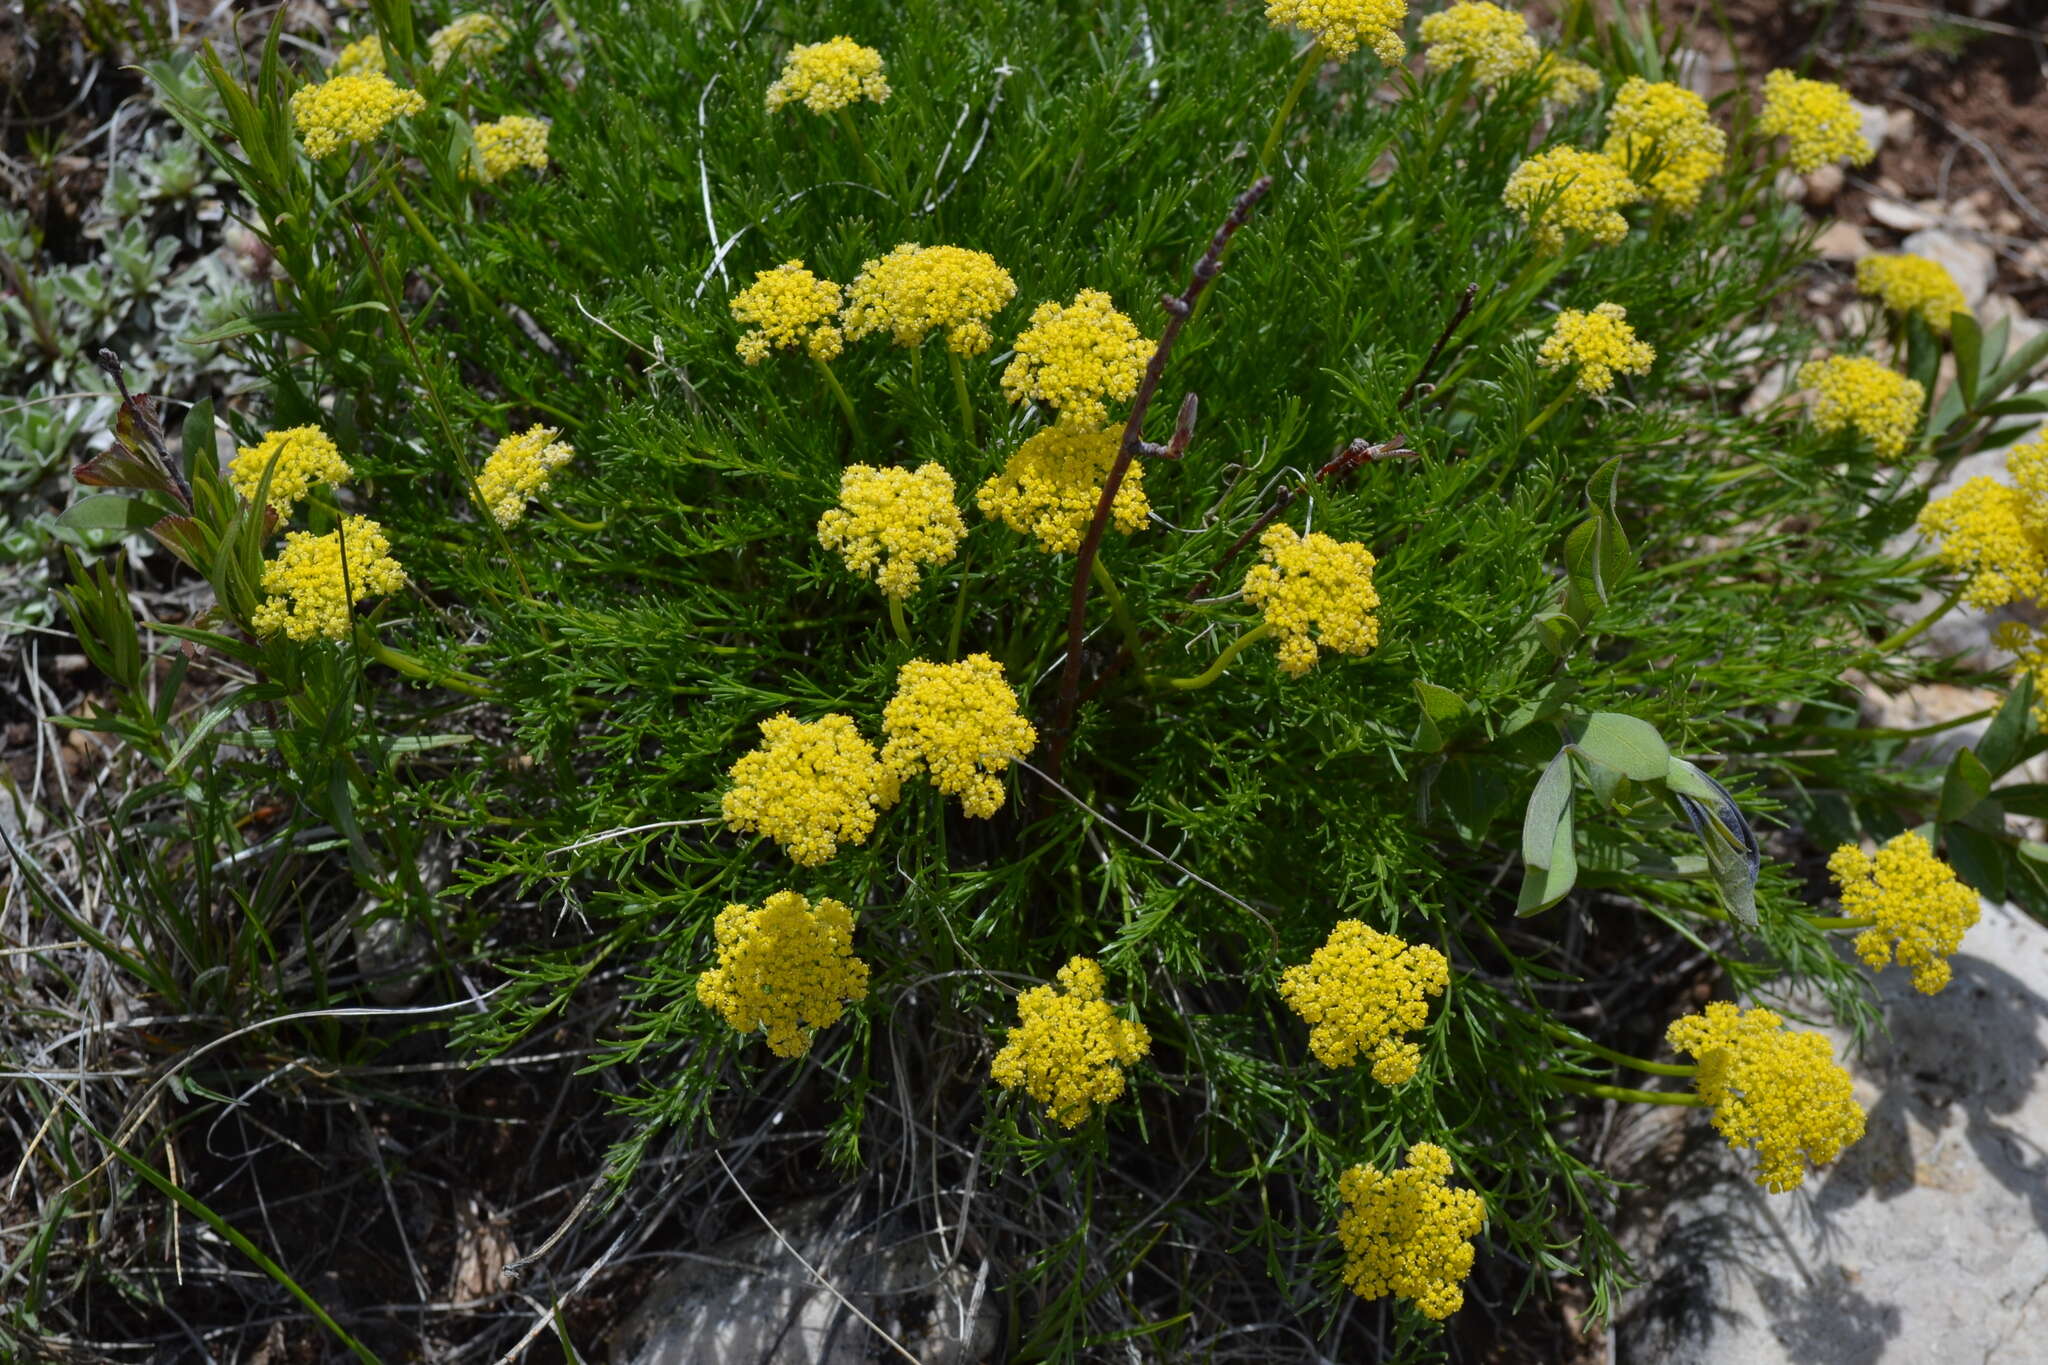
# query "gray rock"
(1969, 263)
(1900, 216)
(1876, 123)
(1842, 242)
(748, 1299)
(1927, 1241)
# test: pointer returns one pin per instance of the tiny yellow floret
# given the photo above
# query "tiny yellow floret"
(1998, 534)
(504, 145)
(1360, 992)
(469, 38)
(344, 110)
(305, 456)
(1818, 121)
(1856, 391)
(959, 723)
(308, 592)
(1662, 135)
(810, 787)
(1409, 1233)
(1075, 356)
(1069, 1049)
(520, 467)
(1343, 26)
(1780, 1092)
(1567, 80)
(917, 290)
(788, 307)
(1918, 911)
(1599, 344)
(891, 522)
(786, 969)
(364, 54)
(828, 76)
(1049, 488)
(1913, 284)
(1313, 591)
(1565, 190)
(1496, 41)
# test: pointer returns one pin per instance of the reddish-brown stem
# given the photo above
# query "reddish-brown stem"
(1178, 307)
(1443, 339)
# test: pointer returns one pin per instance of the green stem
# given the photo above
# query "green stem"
(1721, 478)
(412, 667)
(896, 621)
(1536, 422)
(959, 369)
(1565, 1035)
(1461, 86)
(1841, 921)
(853, 135)
(559, 515)
(1894, 643)
(845, 403)
(959, 611)
(447, 263)
(1311, 62)
(1626, 1096)
(1223, 660)
(1117, 608)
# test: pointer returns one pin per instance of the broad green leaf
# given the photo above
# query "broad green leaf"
(1979, 859)
(2019, 365)
(1968, 341)
(1630, 746)
(1966, 783)
(1686, 780)
(1441, 708)
(110, 512)
(2009, 729)
(1550, 806)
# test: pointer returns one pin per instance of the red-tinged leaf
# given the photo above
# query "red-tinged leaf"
(185, 538)
(122, 467)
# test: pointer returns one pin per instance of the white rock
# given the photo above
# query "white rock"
(1925, 1242)
(1823, 185)
(1969, 263)
(747, 1299)
(1900, 216)
(1842, 242)
(1876, 123)
(1898, 125)
(1694, 70)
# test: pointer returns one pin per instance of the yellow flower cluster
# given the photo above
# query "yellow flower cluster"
(1779, 1091)
(344, 110)
(1069, 1049)
(1074, 356)
(1912, 284)
(916, 290)
(1599, 343)
(364, 54)
(520, 467)
(828, 76)
(891, 521)
(1409, 1233)
(308, 592)
(1566, 80)
(468, 38)
(1342, 26)
(809, 787)
(1049, 488)
(304, 455)
(506, 144)
(1998, 534)
(958, 722)
(1661, 134)
(788, 307)
(1917, 908)
(1818, 121)
(1856, 391)
(787, 969)
(1360, 992)
(1313, 582)
(1568, 190)
(1496, 41)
